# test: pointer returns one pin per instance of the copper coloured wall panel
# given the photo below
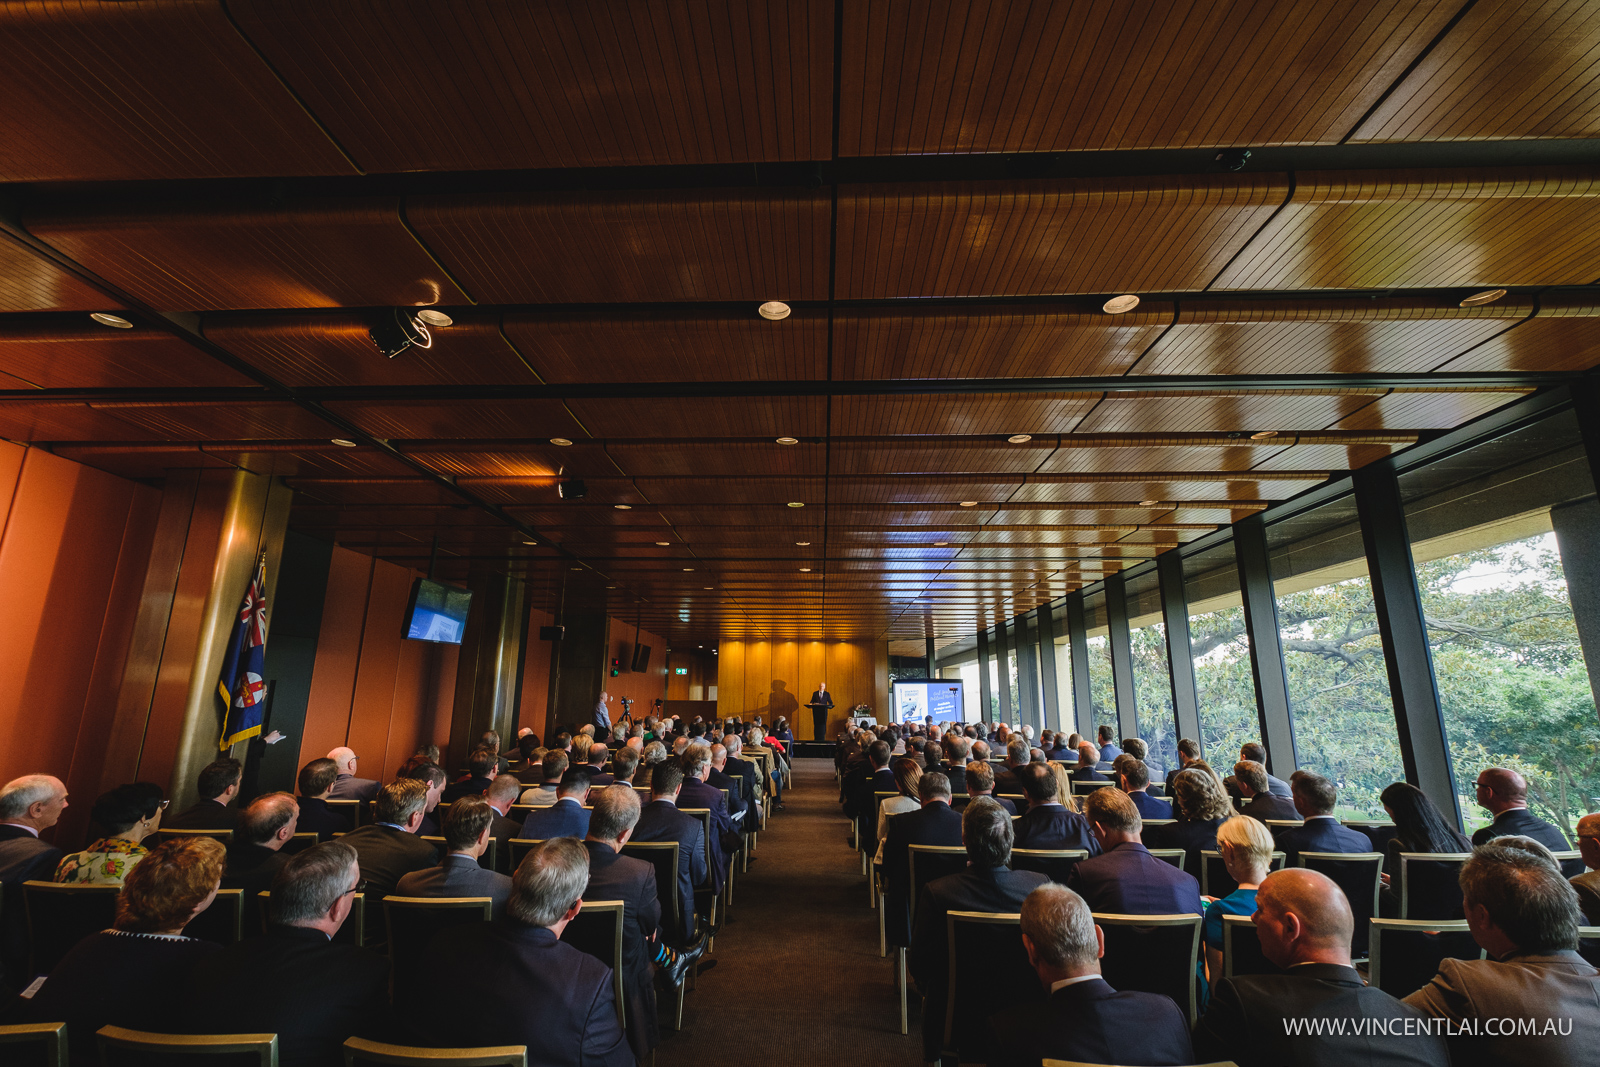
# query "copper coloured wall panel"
(1426, 411)
(756, 416)
(1239, 412)
(666, 347)
(309, 253)
(993, 342)
(79, 354)
(996, 413)
(1007, 76)
(484, 85)
(1506, 70)
(29, 282)
(1564, 336)
(631, 246)
(1424, 229)
(1081, 235)
(425, 419)
(151, 89)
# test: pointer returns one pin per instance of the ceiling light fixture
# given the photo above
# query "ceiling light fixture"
(560, 442)
(806, 569)
(575, 568)
(941, 544)
(788, 440)
(1488, 296)
(1148, 503)
(802, 544)
(1119, 304)
(797, 503)
(344, 442)
(664, 544)
(969, 503)
(396, 329)
(571, 489)
(707, 588)
(1262, 435)
(107, 319)
(623, 507)
(774, 310)
(530, 542)
(1019, 438)
(686, 570)
(436, 319)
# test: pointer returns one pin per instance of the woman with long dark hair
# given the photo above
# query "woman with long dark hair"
(1419, 826)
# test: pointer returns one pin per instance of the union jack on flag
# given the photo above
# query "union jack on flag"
(240, 685)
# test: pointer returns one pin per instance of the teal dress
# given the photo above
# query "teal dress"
(1238, 902)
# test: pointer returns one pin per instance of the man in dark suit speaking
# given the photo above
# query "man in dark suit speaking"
(821, 703)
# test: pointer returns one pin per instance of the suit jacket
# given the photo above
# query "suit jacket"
(251, 868)
(565, 818)
(385, 856)
(1320, 834)
(1266, 806)
(349, 787)
(957, 776)
(617, 877)
(660, 820)
(1128, 880)
(698, 794)
(532, 773)
(1109, 753)
(931, 824)
(861, 801)
(748, 774)
(204, 815)
(316, 817)
(1149, 807)
(457, 876)
(23, 858)
(1527, 824)
(1088, 774)
(599, 779)
(1245, 1022)
(1193, 837)
(1005, 781)
(467, 787)
(736, 793)
(507, 983)
(503, 828)
(1092, 1023)
(1009, 805)
(295, 983)
(1587, 886)
(1054, 826)
(1545, 987)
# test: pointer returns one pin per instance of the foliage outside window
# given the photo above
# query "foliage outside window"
(1152, 677)
(1224, 686)
(1102, 692)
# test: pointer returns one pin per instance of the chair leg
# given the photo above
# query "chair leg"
(883, 934)
(900, 980)
(682, 992)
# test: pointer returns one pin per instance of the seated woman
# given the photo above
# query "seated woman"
(128, 814)
(1418, 827)
(1199, 805)
(907, 779)
(1246, 847)
(125, 976)
(1064, 795)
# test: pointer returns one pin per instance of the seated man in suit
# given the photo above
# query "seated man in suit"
(529, 768)
(1133, 777)
(934, 823)
(1048, 823)
(1085, 1019)
(1251, 779)
(737, 788)
(467, 831)
(503, 793)
(388, 848)
(980, 783)
(625, 763)
(1188, 752)
(480, 772)
(552, 768)
(255, 855)
(1088, 759)
(872, 776)
(696, 793)
(1587, 884)
(660, 820)
(598, 779)
(1255, 752)
(567, 816)
(490, 740)
(219, 785)
(986, 885)
(1504, 792)
(1018, 755)
(1314, 799)
(432, 775)
(316, 785)
(515, 982)
(346, 786)
(1107, 736)
(294, 981)
(28, 805)
(745, 770)
(1525, 916)
(957, 750)
(1125, 878)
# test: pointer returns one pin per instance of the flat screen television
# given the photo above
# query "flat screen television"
(437, 612)
(641, 658)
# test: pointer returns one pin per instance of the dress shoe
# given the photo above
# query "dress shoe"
(685, 959)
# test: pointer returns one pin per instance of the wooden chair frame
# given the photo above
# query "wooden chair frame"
(671, 848)
(53, 1036)
(263, 1046)
(1375, 928)
(519, 847)
(704, 815)
(229, 899)
(1079, 854)
(359, 1049)
(990, 918)
(1274, 864)
(614, 908)
(1174, 856)
(1194, 921)
(1230, 923)
(1407, 858)
(31, 890)
(911, 909)
(1349, 857)
(165, 832)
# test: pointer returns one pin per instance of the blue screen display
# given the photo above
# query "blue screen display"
(438, 612)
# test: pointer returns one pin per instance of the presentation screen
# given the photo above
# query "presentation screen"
(913, 699)
(437, 612)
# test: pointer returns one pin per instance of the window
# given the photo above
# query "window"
(1068, 710)
(1102, 693)
(1221, 649)
(1152, 677)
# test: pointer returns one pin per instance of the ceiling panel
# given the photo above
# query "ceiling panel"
(1482, 227)
(667, 347)
(663, 245)
(428, 419)
(929, 488)
(1243, 413)
(1563, 336)
(1330, 457)
(1008, 76)
(758, 416)
(516, 460)
(665, 491)
(1081, 235)
(916, 455)
(182, 256)
(1426, 411)
(487, 85)
(208, 421)
(994, 413)
(719, 458)
(1078, 455)
(29, 282)
(75, 353)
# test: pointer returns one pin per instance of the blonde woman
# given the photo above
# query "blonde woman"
(1064, 787)
(1246, 847)
(907, 779)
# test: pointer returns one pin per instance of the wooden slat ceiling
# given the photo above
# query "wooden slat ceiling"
(945, 193)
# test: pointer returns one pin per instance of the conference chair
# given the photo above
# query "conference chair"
(988, 965)
(1153, 954)
(1054, 863)
(597, 930)
(60, 915)
(1215, 881)
(358, 812)
(44, 1044)
(299, 843)
(1157, 822)
(1379, 831)
(712, 910)
(1403, 955)
(519, 848)
(486, 861)
(1241, 948)
(1430, 886)
(167, 835)
(520, 812)
(121, 1047)
(1083, 789)
(867, 838)
(924, 863)
(222, 922)
(352, 932)
(1571, 863)
(1080, 1063)
(1359, 874)
(1589, 943)
(1174, 856)
(411, 922)
(1018, 801)
(664, 857)
(358, 1052)
(1277, 826)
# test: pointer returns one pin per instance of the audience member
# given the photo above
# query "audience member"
(1255, 752)
(1198, 805)
(980, 783)
(219, 786)
(660, 820)
(553, 767)
(625, 764)
(1048, 823)
(933, 823)
(1133, 777)
(871, 776)
(1188, 752)
(1246, 849)
(428, 772)
(1017, 756)
(481, 769)
(346, 786)
(957, 749)
(719, 778)
(502, 793)
(1250, 778)
(1504, 793)
(490, 740)
(255, 855)
(28, 805)
(1084, 1020)
(388, 848)
(1108, 748)
(467, 833)
(1587, 884)
(1088, 758)
(696, 795)
(908, 779)
(567, 817)
(1125, 878)
(1314, 799)
(598, 778)
(1525, 916)
(316, 786)
(1418, 827)
(128, 814)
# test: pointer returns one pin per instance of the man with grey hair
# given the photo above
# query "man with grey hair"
(296, 981)
(255, 855)
(388, 848)
(28, 805)
(515, 982)
(501, 794)
(1017, 755)
(1525, 916)
(346, 786)
(696, 793)
(1084, 1018)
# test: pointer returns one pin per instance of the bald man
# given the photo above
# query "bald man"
(1504, 793)
(1305, 926)
(346, 786)
(1588, 883)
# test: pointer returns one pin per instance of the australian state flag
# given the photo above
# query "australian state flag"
(243, 692)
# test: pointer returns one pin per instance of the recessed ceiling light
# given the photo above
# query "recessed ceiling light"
(1488, 296)
(105, 319)
(530, 542)
(1263, 435)
(802, 544)
(664, 544)
(774, 310)
(610, 587)
(575, 568)
(969, 503)
(1118, 304)
(941, 544)
(623, 507)
(805, 568)
(788, 440)
(435, 318)
(344, 442)
(1020, 438)
(561, 442)
(797, 503)
(1148, 503)
(706, 587)
(686, 570)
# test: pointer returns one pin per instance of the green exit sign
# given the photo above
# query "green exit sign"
(680, 670)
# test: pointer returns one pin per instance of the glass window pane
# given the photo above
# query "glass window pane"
(1067, 717)
(1152, 677)
(1223, 682)
(1102, 693)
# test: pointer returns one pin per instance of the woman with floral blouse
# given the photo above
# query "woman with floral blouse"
(128, 814)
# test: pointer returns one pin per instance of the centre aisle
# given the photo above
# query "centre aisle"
(798, 978)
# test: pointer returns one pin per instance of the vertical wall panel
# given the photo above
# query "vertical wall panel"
(372, 705)
(536, 674)
(333, 681)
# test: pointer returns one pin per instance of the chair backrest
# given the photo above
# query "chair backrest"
(1153, 954)
(1054, 863)
(299, 843)
(519, 847)
(1379, 831)
(486, 861)
(1019, 801)
(1277, 825)
(1083, 789)
(1403, 954)
(704, 815)
(165, 834)
(924, 863)
(59, 916)
(47, 1042)
(520, 812)
(1359, 875)
(988, 964)
(1173, 856)
(356, 811)
(1571, 862)
(359, 1051)
(663, 856)
(1215, 881)
(411, 922)
(140, 1046)
(1158, 822)
(1241, 948)
(352, 932)
(223, 921)
(1589, 943)
(1430, 886)
(597, 930)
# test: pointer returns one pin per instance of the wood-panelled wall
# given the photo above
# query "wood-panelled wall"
(645, 688)
(74, 546)
(533, 708)
(772, 678)
(371, 689)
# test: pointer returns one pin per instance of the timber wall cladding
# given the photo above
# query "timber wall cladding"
(771, 678)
